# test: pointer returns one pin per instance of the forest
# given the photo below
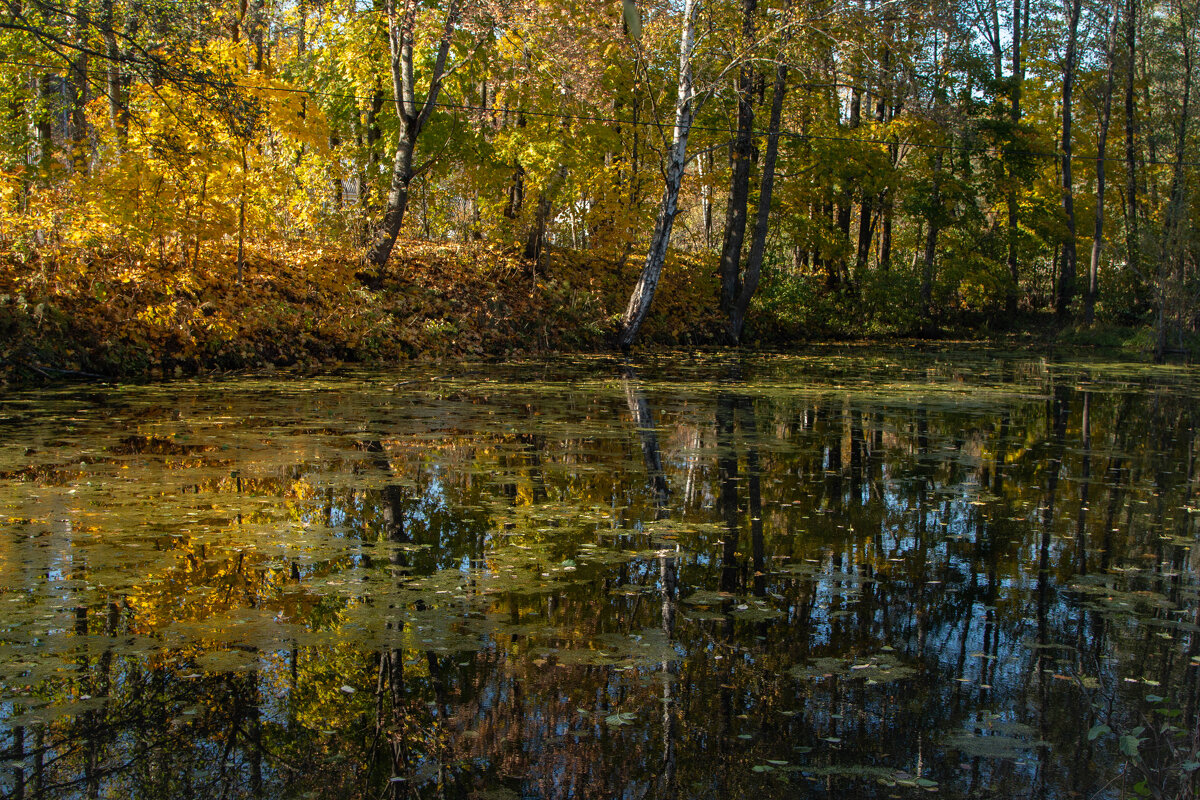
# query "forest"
(199, 185)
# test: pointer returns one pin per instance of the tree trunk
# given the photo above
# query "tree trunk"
(885, 235)
(758, 242)
(1020, 29)
(241, 247)
(80, 91)
(397, 199)
(1089, 303)
(1133, 244)
(516, 192)
(685, 113)
(412, 115)
(1171, 251)
(114, 80)
(882, 117)
(302, 33)
(43, 122)
(844, 209)
(1066, 278)
(741, 157)
(535, 239)
(256, 32)
(335, 142)
(866, 231)
(366, 180)
(931, 238)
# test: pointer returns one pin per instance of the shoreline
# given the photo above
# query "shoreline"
(118, 319)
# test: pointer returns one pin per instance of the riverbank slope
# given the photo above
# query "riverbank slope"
(117, 316)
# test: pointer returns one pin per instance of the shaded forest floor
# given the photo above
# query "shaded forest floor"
(113, 316)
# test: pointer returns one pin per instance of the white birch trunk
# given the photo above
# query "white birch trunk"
(685, 113)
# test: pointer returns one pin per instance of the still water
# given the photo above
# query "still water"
(850, 574)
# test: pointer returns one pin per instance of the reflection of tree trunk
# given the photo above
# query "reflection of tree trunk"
(537, 475)
(393, 495)
(390, 724)
(727, 469)
(643, 418)
(833, 454)
(1059, 410)
(1085, 476)
(757, 548)
(858, 448)
(668, 577)
(998, 460)
(254, 725)
(16, 758)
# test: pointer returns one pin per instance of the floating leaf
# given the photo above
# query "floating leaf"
(619, 719)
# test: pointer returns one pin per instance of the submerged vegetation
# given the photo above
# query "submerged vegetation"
(207, 184)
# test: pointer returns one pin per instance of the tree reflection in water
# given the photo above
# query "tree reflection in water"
(785, 577)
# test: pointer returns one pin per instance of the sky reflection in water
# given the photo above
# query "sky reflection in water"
(852, 574)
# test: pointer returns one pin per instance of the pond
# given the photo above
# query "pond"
(852, 573)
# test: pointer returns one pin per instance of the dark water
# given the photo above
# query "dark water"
(848, 575)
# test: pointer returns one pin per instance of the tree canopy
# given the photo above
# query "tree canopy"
(899, 164)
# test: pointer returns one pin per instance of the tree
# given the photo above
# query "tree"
(746, 283)
(686, 103)
(1173, 306)
(1066, 276)
(412, 114)
(1105, 117)
(741, 156)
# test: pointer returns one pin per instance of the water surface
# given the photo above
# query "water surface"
(855, 573)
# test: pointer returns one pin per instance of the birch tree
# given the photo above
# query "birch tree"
(412, 114)
(686, 105)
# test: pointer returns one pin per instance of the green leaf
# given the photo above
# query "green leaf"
(1098, 730)
(1129, 745)
(1141, 789)
(633, 20)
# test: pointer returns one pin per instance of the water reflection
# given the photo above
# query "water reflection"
(835, 576)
